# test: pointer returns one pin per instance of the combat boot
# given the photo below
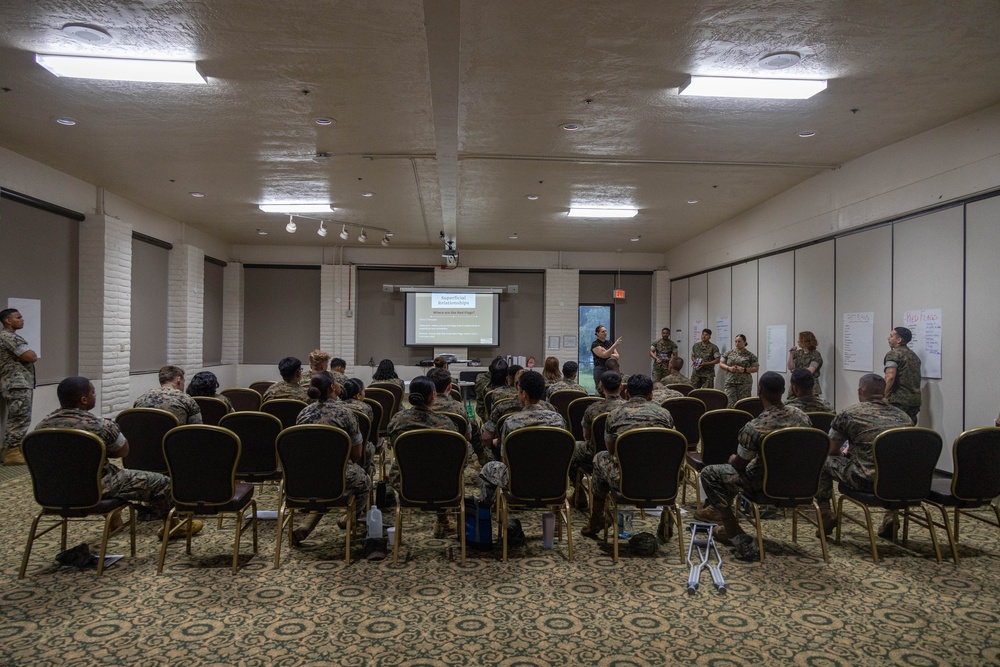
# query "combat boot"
(13, 457)
(597, 521)
(730, 527)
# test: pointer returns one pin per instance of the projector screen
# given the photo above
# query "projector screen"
(452, 318)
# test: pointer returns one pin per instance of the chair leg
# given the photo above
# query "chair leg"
(166, 538)
(236, 545)
(131, 522)
(461, 528)
(930, 528)
(871, 533)
(106, 533)
(281, 535)
(952, 538)
(684, 484)
(253, 511)
(65, 525)
(502, 520)
(675, 516)
(27, 547)
(822, 531)
(569, 530)
(760, 533)
(611, 507)
(352, 519)
(399, 530)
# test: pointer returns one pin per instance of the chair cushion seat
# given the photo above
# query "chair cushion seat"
(427, 506)
(254, 477)
(514, 501)
(242, 496)
(106, 505)
(641, 502)
(869, 498)
(761, 498)
(316, 505)
(694, 460)
(940, 493)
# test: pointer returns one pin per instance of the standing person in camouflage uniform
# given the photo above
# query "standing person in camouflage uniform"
(637, 412)
(569, 372)
(17, 384)
(662, 350)
(76, 399)
(327, 409)
(902, 374)
(493, 378)
(530, 390)
(704, 356)
(420, 416)
(675, 376)
(807, 357)
(858, 425)
(170, 396)
(319, 362)
(740, 364)
(352, 394)
(290, 386)
(745, 471)
(802, 389)
(611, 386)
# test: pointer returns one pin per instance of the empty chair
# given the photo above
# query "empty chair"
(394, 389)
(65, 466)
(243, 399)
(537, 459)
(202, 462)
(144, 429)
(562, 398)
(285, 409)
(258, 432)
(974, 483)
(212, 409)
(379, 424)
(313, 461)
(904, 467)
(387, 400)
(753, 405)
(574, 414)
(431, 464)
(686, 412)
(261, 386)
(683, 388)
(718, 431)
(821, 420)
(714, 399)
(793, 459)
(650, 461)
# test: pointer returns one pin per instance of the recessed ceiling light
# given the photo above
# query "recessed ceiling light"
(87, 34)
(805, 134)
(531, 197)
(262, 232)
(295, 208)
(571, 127)
(197, 194)
(367, 194)
(323, 120)
(122, 69)
(603, 212)
(779, 60)
(513, 236)
(693, 201)
(729, 86)
(635, 238)
(65, 121)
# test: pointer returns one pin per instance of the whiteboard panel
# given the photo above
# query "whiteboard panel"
(744, 303)
(776, 296)
(928, 254)
(720, 305)
(814, 306)
(982, 314)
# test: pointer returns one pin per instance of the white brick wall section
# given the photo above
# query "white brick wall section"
(232, 313)
(105, 308)
(458, 277)
(186, 306)
(339, 294)
(661, 305)
(562, 311)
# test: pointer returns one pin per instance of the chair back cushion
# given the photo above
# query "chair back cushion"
(598, 428)
(144, 429)
(574, 414)
(562, 398)
(212, 409)
(243, 399)
(977, 465)
(905, 459)
(686, 411)
(379, 422)
(793, 459)
(202, 464)
(538, 459)
(650, 461)
(461, 422)
(431, 464)
(314, 461)
(714, 399)
(753, 405)
(392, 388)
(683, 388)
(821, 420)
(261, 386)
(719, 430)
(386, 400)
(364, 424)
(65, 466)
(285, 409)
(258, 432)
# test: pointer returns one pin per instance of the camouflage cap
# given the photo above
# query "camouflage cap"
(643, 544)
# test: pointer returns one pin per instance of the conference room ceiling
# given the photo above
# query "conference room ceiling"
(450, 112)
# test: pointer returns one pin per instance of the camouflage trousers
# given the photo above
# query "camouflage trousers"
(141, 486)
(369, 459)
(911, 412)
(360, 483)
(493, 475)
(736, 392)
(18, 417)
(483, 455)
(722, 483)
(607, 474)
(581, 455)
(844, 470)
(703, 381)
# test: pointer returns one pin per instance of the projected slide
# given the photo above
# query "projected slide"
(452, 318)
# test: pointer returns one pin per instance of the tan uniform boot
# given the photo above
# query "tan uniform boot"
(596, 522)
(13, 457)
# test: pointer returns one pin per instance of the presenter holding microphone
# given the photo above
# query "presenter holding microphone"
(602, 350)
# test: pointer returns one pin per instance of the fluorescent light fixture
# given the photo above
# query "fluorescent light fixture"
(575, 212)
(728, 86)
(296, 208)
(122, 69)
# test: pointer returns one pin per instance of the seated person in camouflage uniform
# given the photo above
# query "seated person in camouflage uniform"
(745, 471)
(858, 425)
(77, 398)
(290, 385)
(494, 378)
(352, 394)
(327, 409)
(338, 368)
(569, 372)
(530, 390)
(206, 384)
(675, 376)
(636, 412)
(802, 388)
(661, 393)
(611, 387)
(319, 362)
(443, 402)
(420, 416)
(504, 400)
(170, 396)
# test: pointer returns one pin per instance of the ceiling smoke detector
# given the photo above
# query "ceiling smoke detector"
(779, 60)
(86, 34)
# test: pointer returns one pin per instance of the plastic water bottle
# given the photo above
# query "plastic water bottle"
(548, 530)
(374, 523)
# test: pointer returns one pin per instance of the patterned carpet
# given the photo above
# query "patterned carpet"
(539, 609)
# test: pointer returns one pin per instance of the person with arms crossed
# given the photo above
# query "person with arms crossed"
(17, 384)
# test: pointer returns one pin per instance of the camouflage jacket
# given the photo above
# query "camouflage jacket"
(905, 390)
(332, 413)
(286, 390)
(563, 385)
(663, 349)
(806, 358)
(861, 423)
(105, 429)
(531, 415)
(14, 374)
(771, 419)
(744, 359)
(703, 352)
(418, 418)
(176, 402)
(810, 403)
(662, 394)
(635, 413)
(675, 378)
(594, 410)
